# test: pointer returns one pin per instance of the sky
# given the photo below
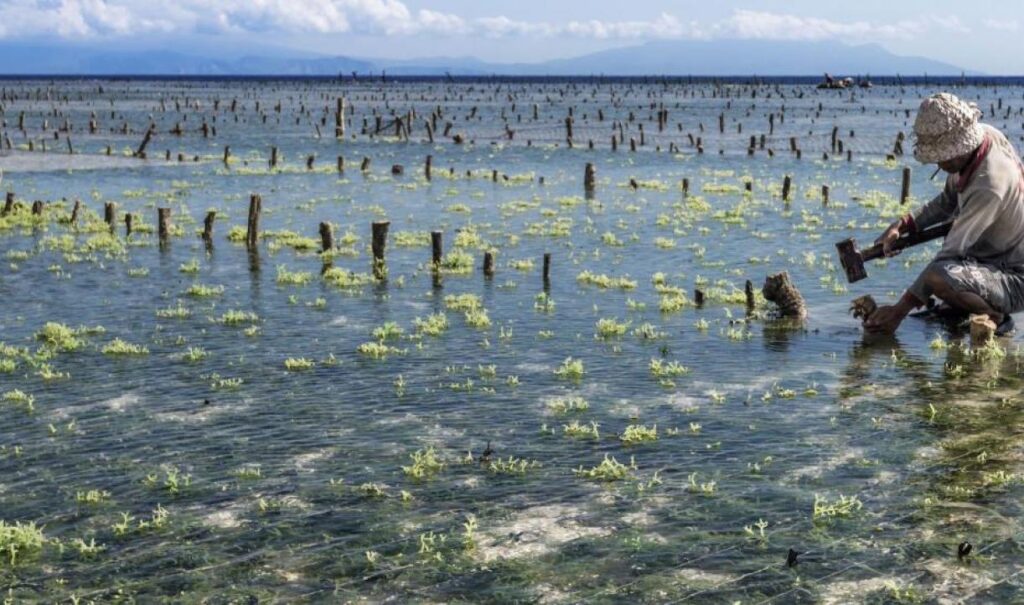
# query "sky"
(980, 35)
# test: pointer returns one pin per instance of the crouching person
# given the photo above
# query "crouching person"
(980, 268)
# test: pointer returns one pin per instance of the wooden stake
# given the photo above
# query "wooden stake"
(488, 264)
(141, 151)
(547, 270)
(905, 187)
(339, 119)
(787, 182)
(824, 195)
(426, 166)
(109, 214)
(589, 179)
(780, 290)
(128, 218)
(436, 248)
(273, 158)
(9, 203)
(208, 225)
(253, 225)
(379, 242)
(326, 236)
(163, 223)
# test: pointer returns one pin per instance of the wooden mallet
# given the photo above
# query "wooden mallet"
(853, 259)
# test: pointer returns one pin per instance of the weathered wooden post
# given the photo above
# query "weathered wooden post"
(698, 297)
(686, 187)
(208, 226)
(339, 119)
(488, 264)
(227, 155)
(37, 208)
(787, 183)
(9, 203)
(326, 237)
(253, 225)
(426, 166)
(780, 290)
(273, 158)
(380, 238)
(905, 187)
(365, 165)
(74, 211)
(589, 180)
(547, 270)
(436, 248)
(397, 170)
(141, 151)
(824, 195)
(128, 219)
(163, 223)
(109, 214)
(897, 148)
(748, 290)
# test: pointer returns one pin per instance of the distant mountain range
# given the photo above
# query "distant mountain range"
(675, 57)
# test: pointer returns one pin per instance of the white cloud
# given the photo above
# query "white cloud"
(92, 18)
(1011, 25)
(503, 26)
(443, 23)
(664, 26)
(773, 26)
(95, 18)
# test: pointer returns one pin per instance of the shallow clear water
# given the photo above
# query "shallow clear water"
(766, 418)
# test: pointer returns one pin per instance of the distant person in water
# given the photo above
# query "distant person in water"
(980, 268)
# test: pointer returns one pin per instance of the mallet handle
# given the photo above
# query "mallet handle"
(908, 240)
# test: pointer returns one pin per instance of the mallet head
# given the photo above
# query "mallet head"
(851, 260)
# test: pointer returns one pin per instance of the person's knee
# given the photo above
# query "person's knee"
(936, 281)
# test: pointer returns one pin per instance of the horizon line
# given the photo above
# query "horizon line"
(383, 76)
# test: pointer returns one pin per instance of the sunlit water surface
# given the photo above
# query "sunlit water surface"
(290, 484)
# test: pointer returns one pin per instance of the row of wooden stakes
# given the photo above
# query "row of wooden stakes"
(379, 231)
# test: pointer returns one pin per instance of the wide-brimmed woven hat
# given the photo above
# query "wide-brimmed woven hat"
(946, 127)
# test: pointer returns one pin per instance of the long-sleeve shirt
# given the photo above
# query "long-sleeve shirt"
(985, 201)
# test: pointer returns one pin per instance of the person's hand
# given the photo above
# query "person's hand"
(886, 319)
(888, 238)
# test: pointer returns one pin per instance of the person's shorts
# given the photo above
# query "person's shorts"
(1002, 289)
